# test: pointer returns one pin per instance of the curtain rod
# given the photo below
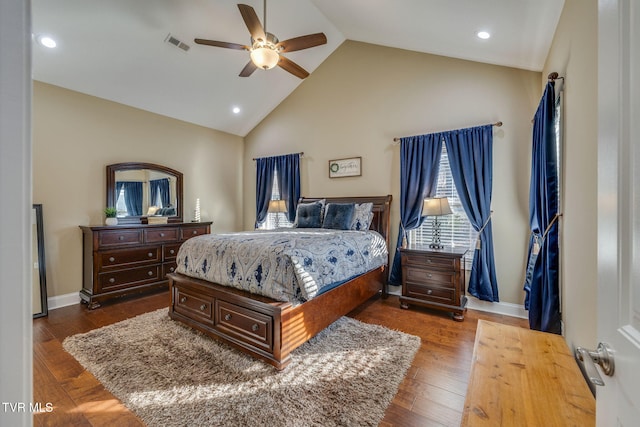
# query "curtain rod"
(498, 124)
(256, 158)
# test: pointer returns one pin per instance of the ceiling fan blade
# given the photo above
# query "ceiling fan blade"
(248, 69)
(302, 42)
(252, 22)
(292, 67)
(221, 44)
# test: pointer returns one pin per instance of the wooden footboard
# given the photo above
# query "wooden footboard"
(262, 327)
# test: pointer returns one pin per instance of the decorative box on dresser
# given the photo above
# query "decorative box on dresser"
(126, 259)
(434, 278)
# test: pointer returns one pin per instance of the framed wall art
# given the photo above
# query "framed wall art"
(341, 168)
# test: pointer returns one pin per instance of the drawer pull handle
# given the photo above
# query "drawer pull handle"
(120, 237)
(171, 269)
(429, 275)
(150, 254)
(112, 280)
(227, 317)
(172, 252)
(429, 292)
(183, 300)
(255, 327)
(150, 273)
(429, 260)
(161, 234)
(111, 259)
(195, 232)
(203, 307)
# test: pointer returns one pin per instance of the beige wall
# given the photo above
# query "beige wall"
(573, 54)
(364, 95)
(75, 136)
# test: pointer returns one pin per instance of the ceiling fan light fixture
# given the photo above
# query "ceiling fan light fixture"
(264, 57)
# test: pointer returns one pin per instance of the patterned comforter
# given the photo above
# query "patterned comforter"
(286, 264)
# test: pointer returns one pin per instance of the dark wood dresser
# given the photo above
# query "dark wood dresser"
(126, 259)
(434, 278)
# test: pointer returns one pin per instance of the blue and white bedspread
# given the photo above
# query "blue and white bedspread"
(286, 264)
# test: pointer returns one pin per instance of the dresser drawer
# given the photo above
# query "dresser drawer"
(162, 235)
(429, 261)
(170, 252)
(127, 278)
(244, 324)
(189, 232)
(119, 237)
(128, 257)
(168, 267)
(199, 307)
(423, 275)
(431, 293)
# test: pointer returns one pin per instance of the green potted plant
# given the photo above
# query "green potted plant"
(110, 213)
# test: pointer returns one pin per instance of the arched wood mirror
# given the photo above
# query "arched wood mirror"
(142, 190)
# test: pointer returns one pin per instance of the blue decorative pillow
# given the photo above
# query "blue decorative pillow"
(338, 216)
(309, 215)
(362, 216)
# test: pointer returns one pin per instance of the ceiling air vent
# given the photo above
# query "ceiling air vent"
(177, 43)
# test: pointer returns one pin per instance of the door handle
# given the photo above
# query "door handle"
(603, 356)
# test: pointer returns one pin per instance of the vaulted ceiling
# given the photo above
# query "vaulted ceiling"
(117, 49)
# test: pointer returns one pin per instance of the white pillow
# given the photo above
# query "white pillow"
(362, 216)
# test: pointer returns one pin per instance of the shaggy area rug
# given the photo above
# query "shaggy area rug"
(171, 375)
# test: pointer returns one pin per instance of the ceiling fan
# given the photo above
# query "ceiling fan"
(265, 50)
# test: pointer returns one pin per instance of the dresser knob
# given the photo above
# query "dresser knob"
(227, 317)
(172, 252)
(111, 259)
(112, 280)
(203, 307)
(195, 232)
(150, 254)
(120, 237)
(150, 273)
(255, 327)
(171, 269)
(183, 300)
(429, 292)
(429, 275)
(161, 234)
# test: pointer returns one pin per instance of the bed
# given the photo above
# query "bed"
(268, 328)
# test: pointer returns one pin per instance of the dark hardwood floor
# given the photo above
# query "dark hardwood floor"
(432, 393)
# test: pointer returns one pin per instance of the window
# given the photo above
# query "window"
(455, 229)
(279, 219)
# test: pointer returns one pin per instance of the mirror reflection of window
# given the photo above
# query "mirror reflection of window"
(120, 204)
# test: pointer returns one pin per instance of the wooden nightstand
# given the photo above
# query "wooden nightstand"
(434, 278)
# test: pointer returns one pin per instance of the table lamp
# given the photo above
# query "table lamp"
(435, 207)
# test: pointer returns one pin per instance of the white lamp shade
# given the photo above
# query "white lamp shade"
(436, 206)
(277, 206)
(264, 57)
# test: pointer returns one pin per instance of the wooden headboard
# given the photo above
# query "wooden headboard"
(381, 210)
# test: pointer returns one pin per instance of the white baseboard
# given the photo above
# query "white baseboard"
(60, 301)
(505, 308)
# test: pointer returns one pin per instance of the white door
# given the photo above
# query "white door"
(618, 401)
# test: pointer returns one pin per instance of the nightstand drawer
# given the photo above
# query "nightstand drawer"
(428, 261)
(422, 275)
(431, 293)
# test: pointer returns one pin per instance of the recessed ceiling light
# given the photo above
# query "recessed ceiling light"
(236, 110)
(47, 41)
(483, 35)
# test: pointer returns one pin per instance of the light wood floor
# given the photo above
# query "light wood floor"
(432, 393)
